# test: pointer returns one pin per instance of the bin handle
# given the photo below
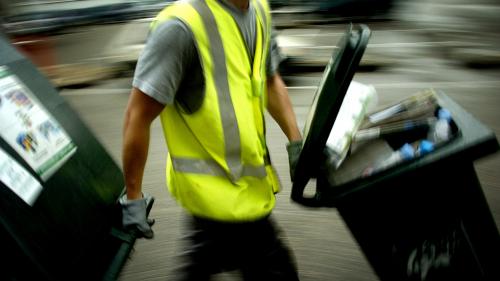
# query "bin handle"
(298, 195)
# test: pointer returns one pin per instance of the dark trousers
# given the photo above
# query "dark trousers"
(253, 248)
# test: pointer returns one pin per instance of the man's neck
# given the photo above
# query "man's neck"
(240, 4)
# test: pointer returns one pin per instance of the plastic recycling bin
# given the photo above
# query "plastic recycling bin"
(59, 216)
(424, 219)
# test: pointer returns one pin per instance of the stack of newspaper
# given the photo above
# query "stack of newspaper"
(415, 112)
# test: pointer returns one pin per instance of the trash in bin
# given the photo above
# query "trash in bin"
(358, 100)
(413, 127)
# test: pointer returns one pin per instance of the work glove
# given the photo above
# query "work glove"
(134, 215)
(293, 148)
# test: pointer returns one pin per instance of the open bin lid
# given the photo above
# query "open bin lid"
(325, 108)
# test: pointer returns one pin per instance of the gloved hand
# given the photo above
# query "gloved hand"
(293, 148)
(134, 215)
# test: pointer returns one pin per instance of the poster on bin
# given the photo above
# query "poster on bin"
(30, 129)
(17, 179)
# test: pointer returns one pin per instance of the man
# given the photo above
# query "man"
(207, 72)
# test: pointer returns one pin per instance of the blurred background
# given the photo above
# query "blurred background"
(88, 49)
(102, 38)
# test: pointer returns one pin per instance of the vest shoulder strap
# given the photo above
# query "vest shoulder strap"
(182, 10)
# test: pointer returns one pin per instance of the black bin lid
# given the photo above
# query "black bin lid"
(325, 107)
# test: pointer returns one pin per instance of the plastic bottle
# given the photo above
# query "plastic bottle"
(424, 147)
(441, 131)
(406, 152)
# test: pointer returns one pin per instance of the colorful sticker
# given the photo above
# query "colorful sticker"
(30, 129)
(17, 179)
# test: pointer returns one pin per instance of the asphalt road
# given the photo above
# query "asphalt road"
(322, 244)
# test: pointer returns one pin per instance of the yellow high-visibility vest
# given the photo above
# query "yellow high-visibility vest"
(218, 165)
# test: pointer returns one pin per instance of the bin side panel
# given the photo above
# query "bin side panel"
(431, 224)
(66, 233)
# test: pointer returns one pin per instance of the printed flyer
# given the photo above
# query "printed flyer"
(17, 179)
(30, 129)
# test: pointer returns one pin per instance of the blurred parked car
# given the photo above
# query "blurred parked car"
(320, 11)
(78, 42)
(470, 27)
(54, 17)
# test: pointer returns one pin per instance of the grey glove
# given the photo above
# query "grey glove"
(293, 148)
(134, 216)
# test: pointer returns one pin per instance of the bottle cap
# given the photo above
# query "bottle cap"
(425, 147)
(407, 151)
(444, 113)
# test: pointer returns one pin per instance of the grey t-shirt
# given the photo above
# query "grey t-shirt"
(169, 66)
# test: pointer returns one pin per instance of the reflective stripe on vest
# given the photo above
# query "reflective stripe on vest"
(210, 167)
(226, 109)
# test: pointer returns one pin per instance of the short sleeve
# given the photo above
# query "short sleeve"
(167, 55)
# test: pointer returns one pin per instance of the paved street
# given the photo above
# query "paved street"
(322, 244)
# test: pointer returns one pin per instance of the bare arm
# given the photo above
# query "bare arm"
(280, 107)
(140, 113)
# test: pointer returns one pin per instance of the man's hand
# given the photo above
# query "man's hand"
(293, 148)
(134, 215)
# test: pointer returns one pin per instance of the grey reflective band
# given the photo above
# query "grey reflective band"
(227, 114)
(210, 167)
(196, 166)
(226, 109)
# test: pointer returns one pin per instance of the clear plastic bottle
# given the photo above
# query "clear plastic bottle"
(406, 152)
(441, 131)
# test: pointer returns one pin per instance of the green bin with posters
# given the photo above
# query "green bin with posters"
(59, 216)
